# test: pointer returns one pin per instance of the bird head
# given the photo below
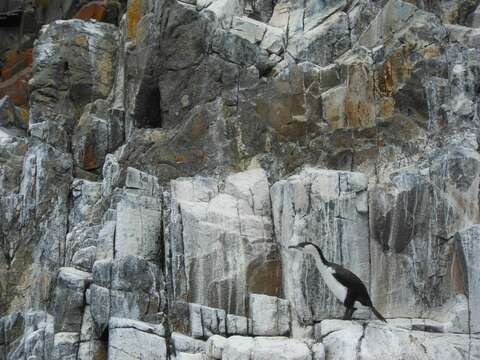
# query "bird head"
(309, 248)
(306, 247)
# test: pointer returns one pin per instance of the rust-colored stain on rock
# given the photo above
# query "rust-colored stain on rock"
(95, 10)
(134, 14)
(89, 158)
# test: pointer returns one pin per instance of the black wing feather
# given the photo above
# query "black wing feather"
(349, 280)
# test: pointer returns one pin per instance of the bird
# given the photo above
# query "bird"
(344, 284)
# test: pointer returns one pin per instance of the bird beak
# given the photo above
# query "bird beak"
(295, 247)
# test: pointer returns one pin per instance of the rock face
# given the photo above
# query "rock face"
(221, 241)
(167, 153)
(330, 209)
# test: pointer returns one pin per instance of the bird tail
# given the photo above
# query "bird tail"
(377, 314)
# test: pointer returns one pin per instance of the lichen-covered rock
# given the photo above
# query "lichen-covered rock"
(10, 115)
(137, 215)
(73, 65)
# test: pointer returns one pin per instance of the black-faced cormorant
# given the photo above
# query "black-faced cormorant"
(345, 285)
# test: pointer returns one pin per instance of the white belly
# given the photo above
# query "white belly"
(335, 287)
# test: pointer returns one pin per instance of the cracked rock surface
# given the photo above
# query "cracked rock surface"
(167, 153)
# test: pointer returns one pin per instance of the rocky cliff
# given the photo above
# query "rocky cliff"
(158, 157)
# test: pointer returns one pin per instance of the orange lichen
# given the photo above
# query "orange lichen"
(16, 87)
(89, 157)
(134, 14)
(180, 159)
(16, 61)
(95, 10)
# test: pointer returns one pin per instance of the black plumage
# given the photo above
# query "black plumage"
(356, 289)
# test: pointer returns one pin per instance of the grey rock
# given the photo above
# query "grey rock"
(122, 323)
(322, 44)
(214, 347)
(209, 228)
(184, 343)
(125, 343)
(10, 115)
(99, 308)
(84, 258)
(86, 194)
(51, 133)
(238, 325)
(329, 208)
(270, 316)
(197, 321)
(280, 348)
(378, 341)
(70, 299)
(188, 356)
(398, 242)
(74, 65)
(467, 244)
(238, 348)
(139, 215)
(92, 350)
(65, 346)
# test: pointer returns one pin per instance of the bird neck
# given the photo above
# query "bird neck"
(322, 258)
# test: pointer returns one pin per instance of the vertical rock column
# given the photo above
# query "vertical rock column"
(414, 217)
(329, 209)
(220, 241)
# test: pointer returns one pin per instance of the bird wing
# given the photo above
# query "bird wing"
(348, 279)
